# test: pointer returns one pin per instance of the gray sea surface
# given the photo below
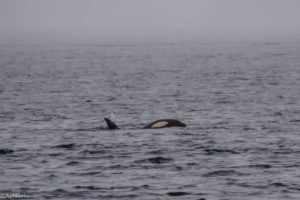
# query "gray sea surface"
(239, 99)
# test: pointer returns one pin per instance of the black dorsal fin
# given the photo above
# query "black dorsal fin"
(111, 124)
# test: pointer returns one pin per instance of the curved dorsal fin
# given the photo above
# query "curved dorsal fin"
(111, 124)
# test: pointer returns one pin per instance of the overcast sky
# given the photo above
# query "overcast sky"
(151, 16)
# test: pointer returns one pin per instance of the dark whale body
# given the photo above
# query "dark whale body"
(162, 123)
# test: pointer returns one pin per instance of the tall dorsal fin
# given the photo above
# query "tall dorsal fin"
(111, 124)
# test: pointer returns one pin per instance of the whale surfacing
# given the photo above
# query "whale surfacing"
(165, 123)
(162, 123)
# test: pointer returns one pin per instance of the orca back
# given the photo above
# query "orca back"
(164, 123)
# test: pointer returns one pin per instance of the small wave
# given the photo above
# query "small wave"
(278, 184)
(88, 157)
(275, 54)
(259, 166)
(73, 163)
(112, 167)
(86, 129)
(66, 146)
(87, 187)
(129, 188)
(86, 173)
(160, 160)
(218, 127)
(295, 120)
(264, 166)
(224, 102)
(178, 193)
(6, 151)
(125, 196)
(69, 57)
(61, 193)
(294, 188)
(223, 173)
(160, 151)
(117, 167)
(217, 151)
(87, 152)
(252, 186)
(7, 115)
(247, 128)
(55, 154)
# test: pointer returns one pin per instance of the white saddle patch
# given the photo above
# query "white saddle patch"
(159, 124)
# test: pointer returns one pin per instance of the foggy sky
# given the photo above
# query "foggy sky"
(151, 16)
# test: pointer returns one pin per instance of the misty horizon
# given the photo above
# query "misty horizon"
(148, 18)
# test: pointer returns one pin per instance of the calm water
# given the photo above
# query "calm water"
(240, 101)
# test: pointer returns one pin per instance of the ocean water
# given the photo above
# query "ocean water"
(239, 99)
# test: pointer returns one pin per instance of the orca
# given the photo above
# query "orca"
(162, 123)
